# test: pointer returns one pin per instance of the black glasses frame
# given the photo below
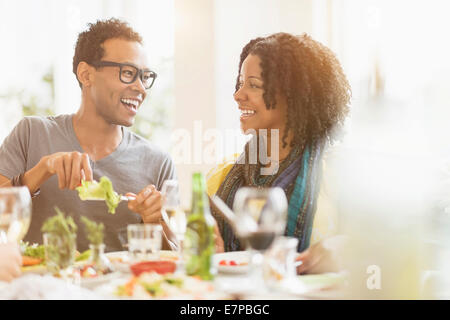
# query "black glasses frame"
(139, 72)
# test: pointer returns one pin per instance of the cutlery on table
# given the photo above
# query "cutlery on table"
(224, 210)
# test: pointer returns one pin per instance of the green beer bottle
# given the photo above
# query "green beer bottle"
(199, 237)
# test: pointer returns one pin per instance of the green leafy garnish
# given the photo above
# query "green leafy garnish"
(84, 255)
(35, 252)
(94, 231)
(61, 234)
(153, 288)
(102, 190)
(174, 281)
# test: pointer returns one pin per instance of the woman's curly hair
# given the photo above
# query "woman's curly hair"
(309, 76)
(89, 46)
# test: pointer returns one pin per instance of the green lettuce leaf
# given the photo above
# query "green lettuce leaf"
(34, 251)
(84, 255)
(102, 190)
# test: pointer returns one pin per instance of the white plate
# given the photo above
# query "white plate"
(39, 269)
(91, 283)
(119, 260)
(324, 281)
(237, 256)
(121, 256)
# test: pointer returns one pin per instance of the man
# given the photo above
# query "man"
(52, 155)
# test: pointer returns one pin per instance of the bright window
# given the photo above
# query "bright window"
(39, 39)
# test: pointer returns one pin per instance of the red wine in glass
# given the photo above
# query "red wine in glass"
(259, 240)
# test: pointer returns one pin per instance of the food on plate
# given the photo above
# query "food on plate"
(33, 251)
(32, 255)
(232, 263)
(156, 286)
(168, 255)
(160, 266)
(90, 271)
(102, 190)
(28, 261)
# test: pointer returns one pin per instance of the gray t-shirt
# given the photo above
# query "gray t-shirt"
(132, 166)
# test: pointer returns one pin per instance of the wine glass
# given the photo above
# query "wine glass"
(172, 213)
(15, 213)
(261, 215)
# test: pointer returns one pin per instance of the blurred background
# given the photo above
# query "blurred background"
(385, 176)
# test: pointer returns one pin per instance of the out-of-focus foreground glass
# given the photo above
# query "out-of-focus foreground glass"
(261, 215)
(15, 213)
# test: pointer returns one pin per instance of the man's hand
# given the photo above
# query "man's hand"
(10, 261)
(148, 204)
(323, 256)
(70, 167)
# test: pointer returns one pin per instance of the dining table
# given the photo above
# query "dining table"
(231, 282)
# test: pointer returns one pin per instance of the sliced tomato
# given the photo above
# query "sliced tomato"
(233, 263)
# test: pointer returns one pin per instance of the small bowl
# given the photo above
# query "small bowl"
(160, 266)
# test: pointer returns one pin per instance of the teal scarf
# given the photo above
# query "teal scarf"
(299, 176)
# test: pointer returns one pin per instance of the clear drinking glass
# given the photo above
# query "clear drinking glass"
(174, 216)
(280, 267)
(144, 241)
(60, 254)
(15, 213)
(261, 215)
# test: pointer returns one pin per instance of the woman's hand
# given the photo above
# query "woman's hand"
(323, 256)
(148, 204)
(10, 261)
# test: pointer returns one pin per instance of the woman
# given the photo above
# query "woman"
(295, 85)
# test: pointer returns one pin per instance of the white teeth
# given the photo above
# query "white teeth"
(248, 112)
(135, 103)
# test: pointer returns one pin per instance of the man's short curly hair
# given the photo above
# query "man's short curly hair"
(309, 76)
(89, 46)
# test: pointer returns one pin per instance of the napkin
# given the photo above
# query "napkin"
(37, 287)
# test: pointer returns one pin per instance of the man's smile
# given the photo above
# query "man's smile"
(131, 103)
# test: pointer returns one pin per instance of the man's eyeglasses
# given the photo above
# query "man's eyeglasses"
(129, 73)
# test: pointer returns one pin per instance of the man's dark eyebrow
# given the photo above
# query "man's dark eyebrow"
(132, 64)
